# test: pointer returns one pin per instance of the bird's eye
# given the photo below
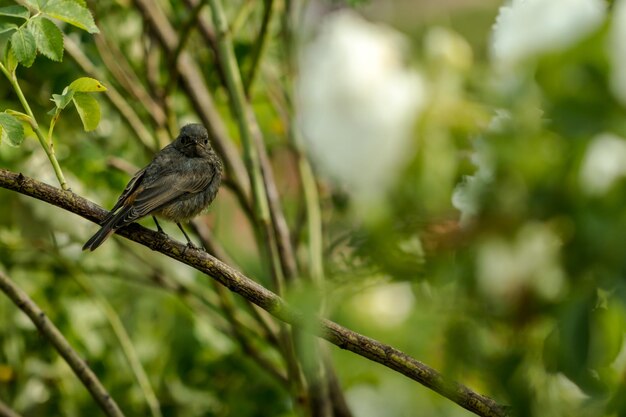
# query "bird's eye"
(206, 141)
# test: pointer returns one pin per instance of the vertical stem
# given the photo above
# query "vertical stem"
(260, 46)
(48, 148)
(244, 122)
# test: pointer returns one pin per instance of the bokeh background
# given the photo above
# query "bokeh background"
(469, 158)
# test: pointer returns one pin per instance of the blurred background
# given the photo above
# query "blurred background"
(452, 177)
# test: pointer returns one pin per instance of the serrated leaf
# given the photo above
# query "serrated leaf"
(87, 85)
(71, 12)
(48, 38)
(12, 131)
(23, 45)
(7, 27)
(88, 110)
(15, 11)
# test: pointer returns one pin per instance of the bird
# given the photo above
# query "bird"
(181, 181)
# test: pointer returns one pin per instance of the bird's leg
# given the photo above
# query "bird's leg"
(189, 242)
(159, 228)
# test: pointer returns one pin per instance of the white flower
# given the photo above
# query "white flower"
(603, 164)
(466, 195)
(529, 263)
(386, 305)
(358, 103)
(617, 51)
(527, 28)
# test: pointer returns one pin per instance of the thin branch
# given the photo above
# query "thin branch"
(183, 37)
(206, 31)
(6, 411)
(259, 47)
(259, 295)
(56, 338)
(244, 118)
(117, 64)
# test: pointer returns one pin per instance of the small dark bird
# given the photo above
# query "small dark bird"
(180, 182)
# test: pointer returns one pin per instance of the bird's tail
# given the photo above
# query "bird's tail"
(111, 223)
(100, 236)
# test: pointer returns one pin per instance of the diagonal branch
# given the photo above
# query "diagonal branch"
(259, 295)
(56, 338)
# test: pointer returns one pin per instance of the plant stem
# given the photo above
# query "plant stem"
(244, 116)
(259, 49)
(48, 148)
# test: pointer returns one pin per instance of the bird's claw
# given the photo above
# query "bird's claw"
(190, 245)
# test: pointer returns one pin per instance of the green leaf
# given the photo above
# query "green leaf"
(24, 47)
(35, 3)
(87, 85)
(88, 110)
(15, 11)
(63, 99)
(10, 61)
(71, 12)
(48, 38)
(7, 27)
(11, 130)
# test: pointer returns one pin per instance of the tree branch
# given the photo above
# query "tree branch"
(56, 338)
(6, 411)
(259, 295)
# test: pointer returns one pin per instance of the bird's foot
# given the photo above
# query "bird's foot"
(190, 245)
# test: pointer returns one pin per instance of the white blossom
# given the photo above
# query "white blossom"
(603, 164)
(386, 305)
(506, 269)
(358, 103)
(527, 28)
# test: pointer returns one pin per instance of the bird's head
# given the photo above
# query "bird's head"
(193, 141)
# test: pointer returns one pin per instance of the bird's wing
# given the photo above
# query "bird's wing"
(132, 185)
(150, 197)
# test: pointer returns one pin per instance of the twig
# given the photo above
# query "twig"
(6, 411)
(206, 31)
(259, 295)
(56, 338)
(183, 37)
(259, 47)
(118, 65)
(48, 147)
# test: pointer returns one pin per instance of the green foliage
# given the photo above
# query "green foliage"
(38, 33)
(496, 255)
(15, 11)
(88, 110)
(48, 38)
(11, 130)
(24, 46)
(78, 93)
(72, 12)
